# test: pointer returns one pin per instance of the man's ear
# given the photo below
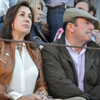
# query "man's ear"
(91, 13)
(70, 27)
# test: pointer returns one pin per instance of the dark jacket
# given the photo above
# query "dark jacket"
(7, 63)
(37, 32)
(61, 75)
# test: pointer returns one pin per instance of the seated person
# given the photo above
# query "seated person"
(72, 71)
(21, 73)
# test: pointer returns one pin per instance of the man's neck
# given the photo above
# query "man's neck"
(78, 50)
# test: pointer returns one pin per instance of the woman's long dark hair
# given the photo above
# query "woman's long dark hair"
(6, 32)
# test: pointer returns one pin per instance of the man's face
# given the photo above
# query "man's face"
(83, 30)
(83, 6)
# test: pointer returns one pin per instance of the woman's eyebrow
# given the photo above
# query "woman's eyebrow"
(24, 12)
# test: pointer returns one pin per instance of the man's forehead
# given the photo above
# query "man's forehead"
(83, 6)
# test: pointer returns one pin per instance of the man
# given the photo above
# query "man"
(96, 3)
(72, 72)
(88, 7)
(55, 11)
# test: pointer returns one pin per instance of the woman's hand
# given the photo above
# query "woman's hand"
(31, 97)
(43, 97)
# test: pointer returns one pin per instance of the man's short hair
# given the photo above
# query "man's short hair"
(71, 21)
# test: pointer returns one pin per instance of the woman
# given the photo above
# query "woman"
(21, 74)
(37, 6)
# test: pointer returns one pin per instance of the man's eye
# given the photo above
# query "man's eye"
(87, 22)
(92, 22)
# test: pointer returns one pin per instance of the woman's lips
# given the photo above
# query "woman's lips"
(25, 25)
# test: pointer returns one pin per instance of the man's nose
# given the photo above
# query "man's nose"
(91, 26)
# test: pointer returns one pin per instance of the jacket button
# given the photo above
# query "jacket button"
(92, 60)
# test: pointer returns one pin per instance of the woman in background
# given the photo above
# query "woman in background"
(37, 6)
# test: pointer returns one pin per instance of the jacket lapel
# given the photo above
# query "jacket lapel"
(88, 61)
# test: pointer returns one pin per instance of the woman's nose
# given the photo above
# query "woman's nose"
(27, 18)
(41, 12)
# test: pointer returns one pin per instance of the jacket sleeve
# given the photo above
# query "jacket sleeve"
(41, 87)
(95, 92)
(3, 92)
(59, 85)
(3, 88)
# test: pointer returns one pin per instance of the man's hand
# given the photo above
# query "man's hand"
(97, 36)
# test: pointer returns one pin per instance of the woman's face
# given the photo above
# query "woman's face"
(37, 14)
(22, 22)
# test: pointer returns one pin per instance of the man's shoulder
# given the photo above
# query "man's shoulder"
(52, 44)
(93, 48)
(53, 47)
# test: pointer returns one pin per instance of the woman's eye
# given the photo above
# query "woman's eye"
(30, 17)
(22, 14)
(39, 8)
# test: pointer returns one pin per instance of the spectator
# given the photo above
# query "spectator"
(43, 23)
(56, 9)
(96, 3)
(69, 71)
(37, 6)
(88, 7)
(4, 5)
(21, 74)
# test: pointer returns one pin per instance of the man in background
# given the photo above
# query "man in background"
(55, 11)
(88, 7)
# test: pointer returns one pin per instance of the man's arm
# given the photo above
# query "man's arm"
(58, 83)
(95, 92)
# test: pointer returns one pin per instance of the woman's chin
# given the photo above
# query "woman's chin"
(38, 20)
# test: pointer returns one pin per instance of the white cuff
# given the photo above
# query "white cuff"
(15, 95)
